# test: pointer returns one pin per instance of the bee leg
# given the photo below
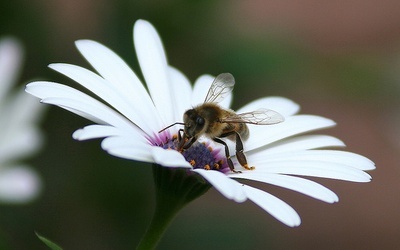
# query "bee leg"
(181, 141)
(180, 135)
(184, 142)
(189, 143)
(227, 155)
(239, 153)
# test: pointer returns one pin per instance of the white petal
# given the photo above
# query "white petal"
(18, 184)
(313, 168)
(169, 158)
(15, 146)
(131, 153)
(19, 136)
(95, 131)
(153, 64)
(10, 63)
(281, 105)
(77, 102)
(297, 184)
(125, 140)
(262, 135)
(23, 109)
(51, 90)
(131, 149)
(180, 86)
(229, 188)
(44, 89)
(276, 207)
(115, 71)
(144, 116)
(303, 142)
(334, 156)
(126, 148)
(90, 109)
(200, 90)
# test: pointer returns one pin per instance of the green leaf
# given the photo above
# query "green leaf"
(49, 243)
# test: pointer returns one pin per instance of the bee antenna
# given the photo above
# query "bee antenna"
(176, 123)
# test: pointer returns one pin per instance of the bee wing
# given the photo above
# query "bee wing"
(258, 117)
(221, 86)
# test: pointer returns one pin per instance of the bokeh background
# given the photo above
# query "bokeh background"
(338, 59)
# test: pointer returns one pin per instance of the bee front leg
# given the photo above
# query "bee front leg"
(190, 142)
(181, 140)
(227, 154)
(240, 154)
(184, 142)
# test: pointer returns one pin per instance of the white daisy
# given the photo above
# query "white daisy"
(19, 135)
(129, 118)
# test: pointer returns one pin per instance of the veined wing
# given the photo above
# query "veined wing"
(221, 86)
(258, 117)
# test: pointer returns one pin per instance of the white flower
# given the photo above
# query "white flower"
(19, 135)
(129, 118)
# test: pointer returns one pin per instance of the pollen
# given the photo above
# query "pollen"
(207, 167)
(249, 168)
(192, 162)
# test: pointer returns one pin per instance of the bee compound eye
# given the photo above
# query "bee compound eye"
(199, 120)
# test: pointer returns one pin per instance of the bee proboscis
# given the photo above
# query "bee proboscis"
(215, 122)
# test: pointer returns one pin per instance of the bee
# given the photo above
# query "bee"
(213, 121)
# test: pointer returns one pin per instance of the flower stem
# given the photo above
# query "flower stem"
(163, 215)
(175, 187)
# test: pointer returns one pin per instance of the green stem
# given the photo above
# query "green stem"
(175, 187)
(163, 215)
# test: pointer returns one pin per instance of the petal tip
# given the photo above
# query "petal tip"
(77, 134)
(83, 43)
(141, 22)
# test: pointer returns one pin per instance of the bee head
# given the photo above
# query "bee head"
(194, 123)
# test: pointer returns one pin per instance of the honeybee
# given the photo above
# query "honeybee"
(215, 122)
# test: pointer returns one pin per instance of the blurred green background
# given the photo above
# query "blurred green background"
(337, 59)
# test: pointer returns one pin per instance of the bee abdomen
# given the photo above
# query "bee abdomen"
(243, 131)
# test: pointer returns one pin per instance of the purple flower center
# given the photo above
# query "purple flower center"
(200, 155)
